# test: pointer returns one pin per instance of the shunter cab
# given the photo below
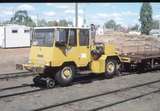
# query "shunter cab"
(57, 54)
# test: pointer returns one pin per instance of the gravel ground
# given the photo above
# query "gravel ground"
(10, 57)
(63, 94)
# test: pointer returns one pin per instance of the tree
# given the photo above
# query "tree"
(5, 22)
(60, 23)
(52, 23)
(63, 23)
(30, 22)
(118, 27)
(146, 18)
(70, 23)
(111, 24)
(155, 24)
(42, 23)
(21, 17)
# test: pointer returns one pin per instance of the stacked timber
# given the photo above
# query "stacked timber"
(131, 44)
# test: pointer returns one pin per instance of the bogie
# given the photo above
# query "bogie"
(44, 81)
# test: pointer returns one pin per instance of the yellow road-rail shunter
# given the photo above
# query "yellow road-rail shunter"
(57, 54)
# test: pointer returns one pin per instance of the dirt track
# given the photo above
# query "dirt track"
(10, 57)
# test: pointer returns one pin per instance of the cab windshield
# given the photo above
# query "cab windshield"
(43, 37)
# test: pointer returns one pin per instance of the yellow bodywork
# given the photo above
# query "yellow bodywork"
(41, 56)
(98, 66)
(125, 59)
(80, 55)
(56, 56)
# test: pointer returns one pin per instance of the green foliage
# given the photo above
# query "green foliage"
(21, 17)
(5, 22)
(52, 23)
(111, 24)
(118, 27)
(70, 23)
(63, 23)
(156, 24)
(146, 18)
(42, 23)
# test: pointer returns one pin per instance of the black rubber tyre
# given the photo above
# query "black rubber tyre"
(36, 80)
(50, 83)
(110, 72)
(62, 79)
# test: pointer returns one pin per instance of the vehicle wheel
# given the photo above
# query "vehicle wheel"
(111, 68)
(65, 75)
(50, 83)
(36, 80)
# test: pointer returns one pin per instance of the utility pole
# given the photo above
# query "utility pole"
(159, 24)
(37, 19)
(76, 14)
(84, 18)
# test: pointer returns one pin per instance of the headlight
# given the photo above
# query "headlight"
(48, 63)
(29, 62)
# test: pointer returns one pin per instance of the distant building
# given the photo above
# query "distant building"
(13, 35)
(134, 33)
(106, 30)
(100, 31)
(155, 33)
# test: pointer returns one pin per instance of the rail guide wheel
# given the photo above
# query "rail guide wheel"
(44, 81)
(36, 80)
(50, 83)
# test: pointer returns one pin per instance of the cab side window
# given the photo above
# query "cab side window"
(84, 37)
(62, 35)
(72, 37)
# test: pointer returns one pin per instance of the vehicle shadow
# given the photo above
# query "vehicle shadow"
(89, 78)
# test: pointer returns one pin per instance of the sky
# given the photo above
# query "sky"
(126, 14)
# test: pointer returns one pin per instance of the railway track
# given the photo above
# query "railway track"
(125, 100)
(31, 88)
(26, 89)
(105, 94)
(18, 90)
(15, 75)
(26, 74)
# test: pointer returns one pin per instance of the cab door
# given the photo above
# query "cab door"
(78, 47)
(83, 47)
(71, 49)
